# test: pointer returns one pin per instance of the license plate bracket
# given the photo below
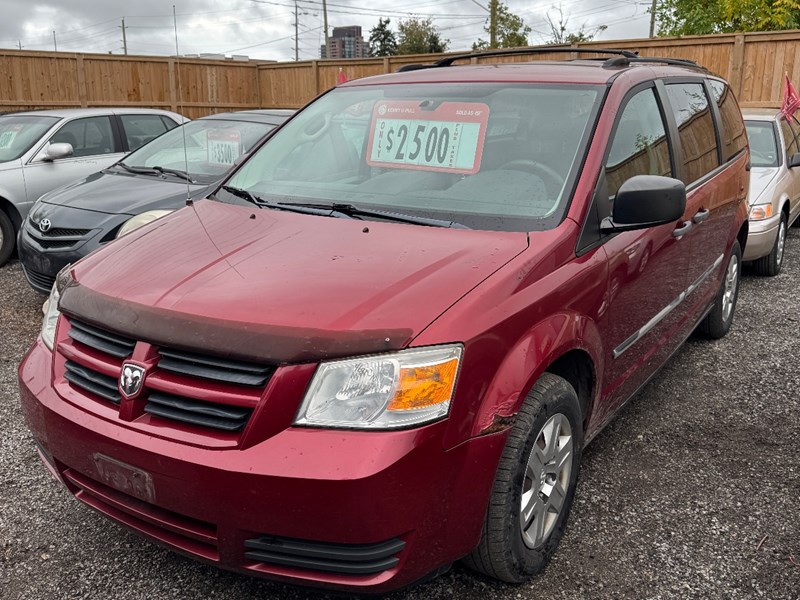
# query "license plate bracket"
(125, 478)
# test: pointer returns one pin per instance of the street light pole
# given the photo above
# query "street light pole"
(653, 19)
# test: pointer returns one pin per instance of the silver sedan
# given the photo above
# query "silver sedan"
(774, 186)
(46, 149)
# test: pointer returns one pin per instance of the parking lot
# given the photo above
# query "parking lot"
(692, 492)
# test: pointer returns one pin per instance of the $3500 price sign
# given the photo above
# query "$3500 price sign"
(448, 138)
(224, 146)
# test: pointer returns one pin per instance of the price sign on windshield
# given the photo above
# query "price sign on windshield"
(447, 137)
(224, 146)
(7, 137)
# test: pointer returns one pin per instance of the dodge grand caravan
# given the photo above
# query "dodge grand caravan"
(382, 345)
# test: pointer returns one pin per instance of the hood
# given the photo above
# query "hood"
(113, 192)
(281, 287)
(760, 179)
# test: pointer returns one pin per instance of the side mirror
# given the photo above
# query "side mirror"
(794, 160)
(58, 150)
(646, 201)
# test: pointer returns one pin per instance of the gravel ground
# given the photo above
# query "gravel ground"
(692, 492)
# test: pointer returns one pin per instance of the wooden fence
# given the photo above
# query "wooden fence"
(754, 64)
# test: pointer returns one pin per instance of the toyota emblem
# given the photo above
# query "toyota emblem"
(131, 379)
(45, 225)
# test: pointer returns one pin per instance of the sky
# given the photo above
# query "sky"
(265, 30)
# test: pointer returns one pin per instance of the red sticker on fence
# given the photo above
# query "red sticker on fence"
(414, 134)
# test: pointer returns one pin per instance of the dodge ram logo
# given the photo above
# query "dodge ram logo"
(45, 225)
(131, 379)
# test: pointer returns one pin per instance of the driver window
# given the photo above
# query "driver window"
(789, 141)
(639, 145)
(88, 137)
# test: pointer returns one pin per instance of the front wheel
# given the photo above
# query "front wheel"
(7, 239)
(718, 322)
(770, 265)
(534, 485)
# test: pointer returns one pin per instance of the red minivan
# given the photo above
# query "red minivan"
(382, 345)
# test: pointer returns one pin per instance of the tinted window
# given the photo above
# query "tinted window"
(89, 137)
(733, 135)
(140, 129)
(696, 129)
(763, 147)
(19, 133)
(639, 145)
(789, 141)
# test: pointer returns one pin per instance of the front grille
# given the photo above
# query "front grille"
(58, 232)
(348, 559)
(197, 412)
(39, 280)
(51, 244)
(217, 369)
(93, 382)
(99, 339)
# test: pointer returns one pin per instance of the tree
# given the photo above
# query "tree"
(420, 36)
(699, 17)
(381, 39)
(511, 31)
(561, 34)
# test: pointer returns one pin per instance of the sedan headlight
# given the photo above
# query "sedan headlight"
(382, 392)
(141, 220)
(50, 308)
(759, 212)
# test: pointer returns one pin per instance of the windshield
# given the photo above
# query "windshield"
(19, 132)
(212, 146)
(763, 147)
(490, 156)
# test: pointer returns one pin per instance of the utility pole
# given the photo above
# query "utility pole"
(493, 23)
(325, 25)
(124, 38)
(20, 44)
(55, 44)
(296, 38)
(653, 19)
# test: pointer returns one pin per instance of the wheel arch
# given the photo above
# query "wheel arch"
(11, 210)
(565, 344)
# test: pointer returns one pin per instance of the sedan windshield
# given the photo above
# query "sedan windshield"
(211, 147)
(763, 147)
(489, 156)
(18, 133)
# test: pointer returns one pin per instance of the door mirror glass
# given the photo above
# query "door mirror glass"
(646, 201)
(794, 160)
(59, 150)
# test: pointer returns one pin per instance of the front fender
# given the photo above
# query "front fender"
(533, 353)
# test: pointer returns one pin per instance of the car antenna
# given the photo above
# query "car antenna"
(180, 103)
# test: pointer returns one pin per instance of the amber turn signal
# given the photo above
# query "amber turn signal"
(422, 387)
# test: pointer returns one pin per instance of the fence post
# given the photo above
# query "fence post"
(173, 96)
(386, 66)
(82, 95)
(315, 76)
(736, 64)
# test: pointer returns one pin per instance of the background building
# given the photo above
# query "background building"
(345, 42)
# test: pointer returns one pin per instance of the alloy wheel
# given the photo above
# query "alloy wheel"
(781, 244)
(731, 282)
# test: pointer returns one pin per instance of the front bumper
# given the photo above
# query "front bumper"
(321, 491)
(761, 238)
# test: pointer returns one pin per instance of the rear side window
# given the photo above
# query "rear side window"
(695, 128)
(734, 139)
(89, 137)
(789, 141)
(639, 145)
(140, 129)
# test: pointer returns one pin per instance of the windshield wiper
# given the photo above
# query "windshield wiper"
(138, 170)
(354, 211)
(176, 172)
(287, 206)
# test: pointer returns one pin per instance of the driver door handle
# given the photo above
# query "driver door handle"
(682, 230)
(701, 215)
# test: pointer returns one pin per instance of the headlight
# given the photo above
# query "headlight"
(759, 212)
(141, 220)
(382, 392)
(50, 308)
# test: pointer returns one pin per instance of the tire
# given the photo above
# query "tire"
(7, 238)
(718, 322)
(770, 265)
(510, 549)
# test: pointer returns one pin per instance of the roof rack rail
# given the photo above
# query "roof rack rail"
(679, 62)
(449, 60)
